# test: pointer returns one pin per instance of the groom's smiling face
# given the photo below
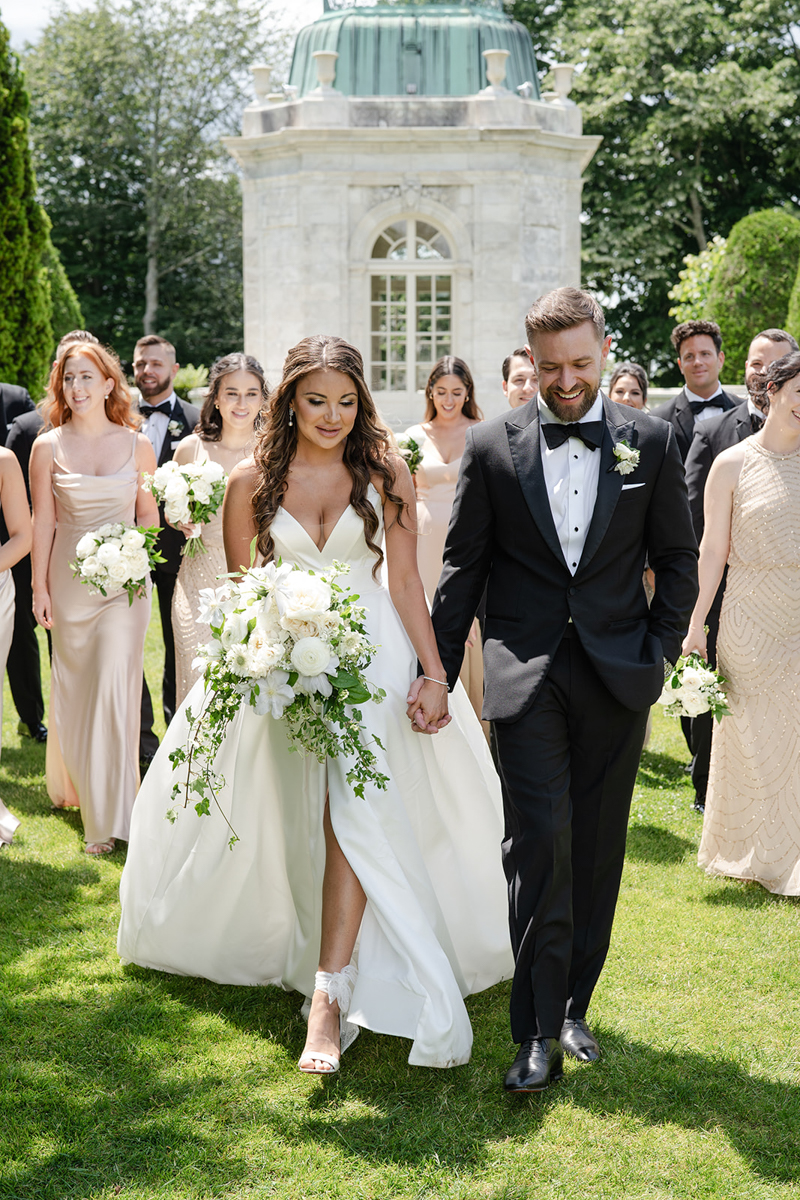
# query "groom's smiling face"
(569, 364)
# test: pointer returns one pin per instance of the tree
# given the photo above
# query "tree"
(25, 331)
(752, 288)
(66, 311)
(129, 102)
(690, 293)
(700, 117)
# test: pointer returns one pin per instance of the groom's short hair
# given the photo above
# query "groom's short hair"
(564, 308)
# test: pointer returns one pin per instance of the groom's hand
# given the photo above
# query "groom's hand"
(427, 713)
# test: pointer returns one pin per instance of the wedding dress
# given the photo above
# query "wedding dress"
(426, 851)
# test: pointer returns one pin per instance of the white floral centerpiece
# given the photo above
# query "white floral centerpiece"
(191, 494)
(692, 688)
(292, 644)
(116, 558)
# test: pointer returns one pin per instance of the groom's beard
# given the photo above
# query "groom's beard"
(570, 412)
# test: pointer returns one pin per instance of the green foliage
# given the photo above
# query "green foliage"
(752, 287)
(690, 293)
(699, 109)
(66, 314)
(25, 330)
(129, 102)
(189, 377)
(792, 324)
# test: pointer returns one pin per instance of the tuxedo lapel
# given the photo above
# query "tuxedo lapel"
(684, 415)
(609, 485)
(523, 442)
(166, 446)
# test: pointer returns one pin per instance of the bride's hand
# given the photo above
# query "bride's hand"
(695, 640)
(427, 706)
(189, 531)
(43, 609)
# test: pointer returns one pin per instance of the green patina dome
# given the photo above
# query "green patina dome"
(408, 47)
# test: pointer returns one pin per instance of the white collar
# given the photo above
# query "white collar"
(703, 399)
(548, 417)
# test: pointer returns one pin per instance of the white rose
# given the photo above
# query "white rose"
(302, 594)
(311, 656)
(116, 542)
(212, 472)
(201, 491)
(327, 624)
(118, 529)
(108, 554)
(105, 531)
(86, 546)
(138, 563)
(707, 678)
(262, 656)
(119, 572)
(133, 539)
(299, 628)
(670, 695)
(694, 703)
(90, 567)
(690, 678)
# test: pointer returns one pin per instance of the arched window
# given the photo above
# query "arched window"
(411, 305)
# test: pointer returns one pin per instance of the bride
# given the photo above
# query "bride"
(391, 908)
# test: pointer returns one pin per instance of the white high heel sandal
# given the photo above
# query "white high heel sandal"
(338, 986)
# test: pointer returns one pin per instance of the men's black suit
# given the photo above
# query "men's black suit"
(14, 401)
(710, 439)
(170, 544)
(572, 665)
(680, 416)
(24, 666)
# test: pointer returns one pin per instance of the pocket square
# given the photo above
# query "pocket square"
(626, 487)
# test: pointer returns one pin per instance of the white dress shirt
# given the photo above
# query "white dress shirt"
(704, 414)
(571, 475)
(154, 427)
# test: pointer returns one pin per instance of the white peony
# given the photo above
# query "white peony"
(669, 695)
(694, 703)
(107, 554)
(274, 694)
(119, 572)
(326, 624)
(201, 491)
(262, 656)
(213, 472)
(105, 531)
(690, 678)
(86, 546)
(302, 595)
(133, 539)
(138, 563)
(90, 567)
(707, 678)
(311, 656)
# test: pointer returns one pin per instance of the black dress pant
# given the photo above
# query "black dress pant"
(164, 584)
(568, 768)
(23, 665)
(702, 727)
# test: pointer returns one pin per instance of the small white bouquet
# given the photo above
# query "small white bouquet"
(191, 495)
(116, 558)
(292, 644)
(410, 451)
(692, 688)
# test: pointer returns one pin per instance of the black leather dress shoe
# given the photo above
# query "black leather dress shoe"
(579, 1041)
(37, 732)
(539, 1062)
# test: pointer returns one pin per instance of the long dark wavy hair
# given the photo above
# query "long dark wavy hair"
(209, 427)
(367, 448)
(450, 365)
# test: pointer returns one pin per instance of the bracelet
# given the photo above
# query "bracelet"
(441, 682)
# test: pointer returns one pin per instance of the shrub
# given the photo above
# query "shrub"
(750, 291)
(690, 293)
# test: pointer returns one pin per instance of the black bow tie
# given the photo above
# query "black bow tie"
(589, 432)
(698, 405)
(164, 407)
(756, 422)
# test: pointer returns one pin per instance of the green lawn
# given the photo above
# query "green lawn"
(121, 1081)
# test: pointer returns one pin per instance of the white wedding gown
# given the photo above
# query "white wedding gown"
(426, 851)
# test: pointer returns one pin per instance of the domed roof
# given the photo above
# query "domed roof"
(411, 48)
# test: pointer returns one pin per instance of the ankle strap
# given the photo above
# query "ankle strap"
(338, 985)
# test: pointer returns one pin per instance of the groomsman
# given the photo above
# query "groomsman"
(519, 378)
(167, 420)
(698, 345)
(710, 439)
(558, 504)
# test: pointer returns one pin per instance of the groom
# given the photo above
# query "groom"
(558, 505)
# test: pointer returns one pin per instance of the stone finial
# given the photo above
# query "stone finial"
(325, 61)
(496, 68)
(261, 77)
(562, 80)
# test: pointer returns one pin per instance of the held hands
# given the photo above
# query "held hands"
(43, 609)
(695, 640)
(427, 706)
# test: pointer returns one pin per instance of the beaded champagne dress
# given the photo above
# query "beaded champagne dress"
(435, 482)
(196, 573)
(426, 851)
(751, 828)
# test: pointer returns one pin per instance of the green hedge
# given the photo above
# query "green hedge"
(751, 289)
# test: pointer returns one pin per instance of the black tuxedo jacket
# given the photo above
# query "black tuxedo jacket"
(502, 537)
(14, 401)
(171, 541)
(22, 433)
(681, 418)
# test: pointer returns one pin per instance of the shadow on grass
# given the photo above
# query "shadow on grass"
(651, 844)
(747, 894)
(656, 770)
(29, 889)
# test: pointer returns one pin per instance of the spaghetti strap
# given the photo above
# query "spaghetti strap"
(135, 433)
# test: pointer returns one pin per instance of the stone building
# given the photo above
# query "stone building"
(409, 190)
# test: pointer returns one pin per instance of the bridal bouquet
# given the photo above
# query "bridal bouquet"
(692, 688)
(117, 558)
(292, 644)
(191, 495)
(410, 451)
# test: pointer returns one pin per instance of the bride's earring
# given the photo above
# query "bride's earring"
(291, 417)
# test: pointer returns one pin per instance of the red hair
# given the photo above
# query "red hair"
(119, 402)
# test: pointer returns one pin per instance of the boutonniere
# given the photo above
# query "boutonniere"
(174, 428)
(627, 458)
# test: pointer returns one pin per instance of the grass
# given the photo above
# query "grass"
(125, 1082)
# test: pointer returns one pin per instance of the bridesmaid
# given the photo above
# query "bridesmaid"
(225, 434)
(87, 472)
(14, 504)
(450, 411)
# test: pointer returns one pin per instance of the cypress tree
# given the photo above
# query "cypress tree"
(26, 333)
(750, 289)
